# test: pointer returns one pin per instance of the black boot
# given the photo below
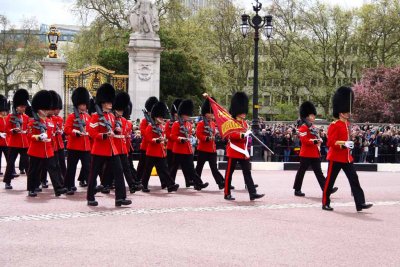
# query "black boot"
(334, 190)
(38, 189)
(32, 194)
(229, 197)
(327, 207)
(45, 185)
(254, 196)
(8, 186)
(145, 190)
(92, 203)
(120, 202)
(60, 191)
(173, 188)
(364, 206)
(82, 184)
(200, 186)
(298, 193)
(189, 184)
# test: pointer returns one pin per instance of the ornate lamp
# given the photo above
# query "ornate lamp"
(53, 35)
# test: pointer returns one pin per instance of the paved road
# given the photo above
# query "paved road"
(191, 228)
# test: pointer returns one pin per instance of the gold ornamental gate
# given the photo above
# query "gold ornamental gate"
(91, 78)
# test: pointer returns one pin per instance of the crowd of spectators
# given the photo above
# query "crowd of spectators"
(372, 143)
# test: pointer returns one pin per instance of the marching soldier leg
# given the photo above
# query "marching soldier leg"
(162, 170)
(127, 172)
(212, 161)
(96, 166)
(34, 169)
(72, 162)
(135, 176)
(333, 171)
(228, 178)
(190, 173)
(358, 193)
(85, 169)
(61, 162)
(316, 166)
(147, 173)
(23, 160)
(120, 191)
(248, 179)
(298, 181)
(141, 164)
(173, 168)
(12, 156)
(201, 160)
(55, 176)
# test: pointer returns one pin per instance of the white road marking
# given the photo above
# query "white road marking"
(149, 211)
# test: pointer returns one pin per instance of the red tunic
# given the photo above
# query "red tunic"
(129, 127)
(18, 140)
(44, 148)
(120, 137)
(338, 131)
(3, 141)
(237, 139)
(155, 149)
(58, 130)
(102, 147)
(206, 144)
(179, 147)
(143, 126)
(168, 128)
(80, 143)
(308, 148)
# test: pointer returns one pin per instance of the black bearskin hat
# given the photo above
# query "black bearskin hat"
(159, 110)
(127, 111)
(186, 108)
(239, 104)
(121, 101)
(206, 107)
(41, 101)
(28, 111)
(3, 103)
(20, 98)
(150, 102)
(342, 101)
(56, 101)
(105, 93)
(80, 96)
(92, 106)
(175, 106)
(306, 109)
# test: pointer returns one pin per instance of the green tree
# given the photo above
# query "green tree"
(20, 51)
(114, 59)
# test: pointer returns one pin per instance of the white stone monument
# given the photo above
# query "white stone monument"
(144, 55)
(53, 75)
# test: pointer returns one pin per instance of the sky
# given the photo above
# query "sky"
(60, 11)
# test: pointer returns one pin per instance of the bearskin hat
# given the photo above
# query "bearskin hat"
(20, 98)
(175, 106)
(3, 103)
(206, 107)
(41, 101)
(105, 93)
(92, 106)
(80, 96)
(121, 101)
(159, 110)
(150, 102)
(307, 108)
(186, 108)
(239, 104)
(342, 101)
(56, 101)
(127, 111)
(28, 111)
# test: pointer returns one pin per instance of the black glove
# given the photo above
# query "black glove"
(158, 140)
(105, 135)
(315, 142)
(78, 134)
(208, 139)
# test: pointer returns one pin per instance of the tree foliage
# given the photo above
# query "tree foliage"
(377, 97)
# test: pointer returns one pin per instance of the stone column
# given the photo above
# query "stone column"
(144, 70)
(53, 75)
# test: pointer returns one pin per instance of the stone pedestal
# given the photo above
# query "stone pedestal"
(53, 75)
(144, 70)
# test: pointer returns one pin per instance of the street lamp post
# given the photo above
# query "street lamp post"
(257, 23)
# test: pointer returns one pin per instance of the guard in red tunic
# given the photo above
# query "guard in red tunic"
(16, 126)
(3, 135)
(339, 156)
(78, 140)
(104, 151)
(150, 102)
(156, 149)
(181, 134)
(310, 148)
(41, 152)
(206, 149)
(236, 149)
(170, 142)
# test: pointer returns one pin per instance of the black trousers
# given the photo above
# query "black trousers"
(96, 166)
(185, 161)
(304, 164)
(135, 176)
(202, 157)
(3, 150)
(170, 160)
(60, 154)
(162, 171)
(36, 165)
(23, 162)
(333, 171)
(108, 176)
(72, 161)
(12, 156)
(248, 179)
(141, 163)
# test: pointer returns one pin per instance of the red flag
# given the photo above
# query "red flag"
(226, 124)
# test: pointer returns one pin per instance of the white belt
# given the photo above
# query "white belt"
(241, 150)
(120, 136)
